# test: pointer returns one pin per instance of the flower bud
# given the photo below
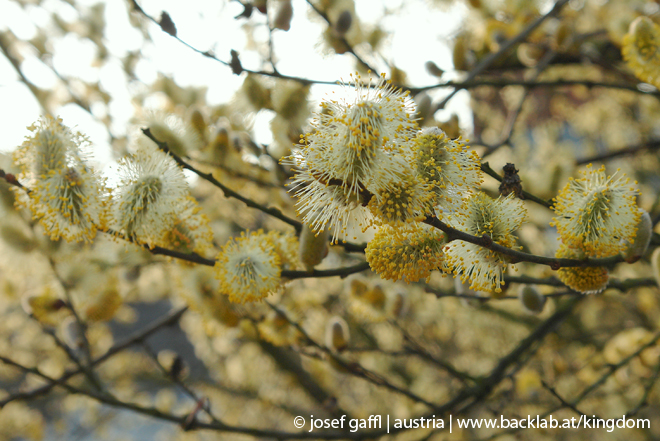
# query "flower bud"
(655, 265)
(400, 304)
(343, 23)
(199, 125)
(313, 247)
(460, 56)
(337, 334)
(562, 35)
(357, 286)
(640, 243)
(173, 363)
(256, 93)
(376, 296)
(433, 69)
(424, 107)
(532, 299)
(104, 307)
(220, 145)
(179, 136)
(529, 54)
(17, 238)
(261, 5)
(283, 15)
(289, 99)
(44, 306)
(72, 333)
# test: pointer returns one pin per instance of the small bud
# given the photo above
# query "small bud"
(283, 16)
(337, 334)
(105, 306)
(511, 182)
(178, 368)
(343, 23)
(220, 145)
(532, 299)
(72, 333)
(247, 11)
(424, 111)
(261, 5)
(400, 304)
(313, 247)
(562, 35)
(199, 125)
(235, 63)
(43, 306)
(357, 286)
(433, 69)
(257, 94)
(460, 53)
(530, 54)
(397, 76)
(655, 265)
(173, 363)
(376, 296)
(16, 237)
(166, 24)
(640, 244)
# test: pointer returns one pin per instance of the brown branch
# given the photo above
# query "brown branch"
(651, 146)
(275, 212)
(611, 369)
(349, 48)
(518, 256)
(509, 44)
(352, 367)
(131, 340)
(532, 84)
(485, 167)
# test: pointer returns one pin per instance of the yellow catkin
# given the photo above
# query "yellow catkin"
(587, 280)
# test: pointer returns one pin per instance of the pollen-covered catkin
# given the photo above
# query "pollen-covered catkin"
(586, 280)
(248, 267)
(597, 213)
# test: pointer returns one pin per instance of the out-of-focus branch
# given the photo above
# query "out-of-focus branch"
(519, 256)
(349, 48)
(352, 367)
(509, 44)
(650, 146)
(131, 340)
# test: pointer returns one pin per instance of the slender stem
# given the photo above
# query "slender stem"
(509, 44)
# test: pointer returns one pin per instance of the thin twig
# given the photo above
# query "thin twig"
(487, 61)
